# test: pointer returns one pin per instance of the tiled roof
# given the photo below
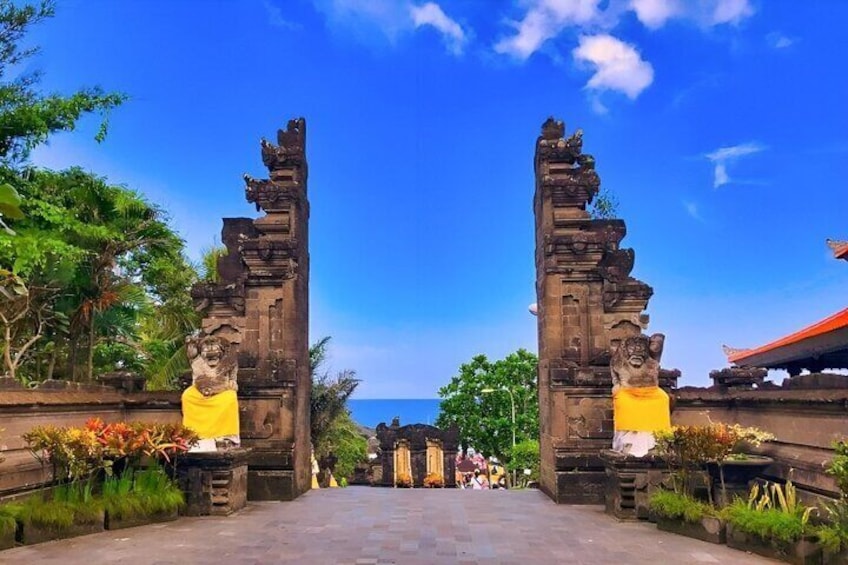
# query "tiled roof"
(833, 323)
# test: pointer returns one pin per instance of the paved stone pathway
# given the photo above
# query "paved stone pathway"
(362, 525)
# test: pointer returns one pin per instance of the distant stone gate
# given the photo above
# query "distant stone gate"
(262, 304)
(586, 301)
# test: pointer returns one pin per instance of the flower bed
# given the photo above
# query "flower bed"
(95, 479)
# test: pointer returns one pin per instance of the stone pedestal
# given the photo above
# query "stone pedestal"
(630, 481)
(214, 483)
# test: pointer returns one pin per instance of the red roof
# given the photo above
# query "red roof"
(840, 248)
(833, 323)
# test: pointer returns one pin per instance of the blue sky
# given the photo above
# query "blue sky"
(719, 125)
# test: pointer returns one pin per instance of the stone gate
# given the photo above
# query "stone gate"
(586, 301)
(262, 304)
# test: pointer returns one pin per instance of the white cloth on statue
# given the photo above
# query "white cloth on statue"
(636, 444)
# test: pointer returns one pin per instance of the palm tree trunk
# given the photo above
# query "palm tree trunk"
(90, 371)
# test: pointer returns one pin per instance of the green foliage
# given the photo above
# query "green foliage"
(838, 467)
(767, 524)
(65, 506)
(343, 440)
(679, 506)
(604, 206)
(139, 494)
(771, 512)
(27, 117)
(525, 455)
(209, 263)
(8, 518)
(332, 429)
(485, 419)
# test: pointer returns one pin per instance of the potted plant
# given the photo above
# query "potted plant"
(731, 468)
(403, 480)
(434, 480)
(773, 523)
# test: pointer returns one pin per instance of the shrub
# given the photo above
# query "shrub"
(771, 512)
(403, 480)
(679, 506)
(434, 480)
(525, 455)
(838, 467)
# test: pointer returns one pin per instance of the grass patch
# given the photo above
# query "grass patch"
(8, 518)
(767, 523)
(679, 506)
(143, 493)
(65, 506)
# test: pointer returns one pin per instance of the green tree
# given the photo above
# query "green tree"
(332, 428)
(28, 117)
(484, 419)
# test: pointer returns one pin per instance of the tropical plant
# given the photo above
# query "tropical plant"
(332, 429)
(27, 117)
(479, 401)
(772, 512)
(838, 467)
(688, 448)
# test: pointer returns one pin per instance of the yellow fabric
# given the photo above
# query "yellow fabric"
(211, 416)
(643, 409)
(315, 481)
(333, 483)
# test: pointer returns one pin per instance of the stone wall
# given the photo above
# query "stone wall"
(804, 422)
(22, 410)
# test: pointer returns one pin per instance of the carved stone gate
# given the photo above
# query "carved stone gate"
(586, 300)
(262, 304)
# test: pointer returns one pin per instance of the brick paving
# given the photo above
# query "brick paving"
(376, 526)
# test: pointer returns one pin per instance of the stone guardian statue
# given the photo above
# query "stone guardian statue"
(210, 404)
(640, 406)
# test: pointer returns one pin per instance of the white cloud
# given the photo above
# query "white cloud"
(544, 20)
(618, 66)
(432, 14)
(777, 40)
(391, 19)
(654, 13)
(730, 11)
(724, 155)
(275, 16)
(692, 210)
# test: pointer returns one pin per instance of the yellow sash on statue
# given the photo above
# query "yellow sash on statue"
(211, 416)
(642, 409)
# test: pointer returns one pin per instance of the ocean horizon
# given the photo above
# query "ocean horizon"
(372, 411)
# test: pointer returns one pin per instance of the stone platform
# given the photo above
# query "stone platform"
(361, 525)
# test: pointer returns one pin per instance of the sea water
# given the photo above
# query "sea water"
(372, 411)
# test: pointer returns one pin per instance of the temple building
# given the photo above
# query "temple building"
(820, 346)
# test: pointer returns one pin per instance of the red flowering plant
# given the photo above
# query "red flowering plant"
(81, 453)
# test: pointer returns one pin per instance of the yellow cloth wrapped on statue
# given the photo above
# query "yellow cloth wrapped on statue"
(641, 409)
(211, 416)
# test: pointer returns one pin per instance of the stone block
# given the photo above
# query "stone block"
(214, 483)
